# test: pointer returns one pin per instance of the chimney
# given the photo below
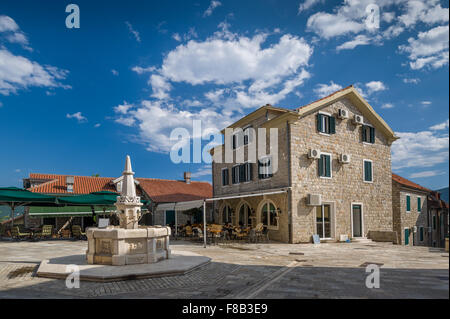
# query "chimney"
(70, 180)
(187, 177)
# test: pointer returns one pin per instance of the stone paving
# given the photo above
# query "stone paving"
(245, 271)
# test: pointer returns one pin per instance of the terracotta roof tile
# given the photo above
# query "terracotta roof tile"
(159, 190)
(405, 182)
(166, 191)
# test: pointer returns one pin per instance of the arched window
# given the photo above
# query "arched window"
(244, 215)
(226, 214)
(269, 216)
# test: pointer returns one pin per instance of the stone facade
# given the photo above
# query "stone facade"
(298, 174)
(413, 220)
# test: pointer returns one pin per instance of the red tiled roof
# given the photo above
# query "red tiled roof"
(56, 184)
(405, 182)
(159, 190)
(167, 191)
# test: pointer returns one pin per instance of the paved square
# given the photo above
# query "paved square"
(273, 270)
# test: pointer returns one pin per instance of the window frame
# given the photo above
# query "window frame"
(228, 176)
(277, 217)
(364, 170)
(406, 203)
(235, 177)
(326, 123)
(419, 204)
(268, 175)
(371, 127)
(331, 165)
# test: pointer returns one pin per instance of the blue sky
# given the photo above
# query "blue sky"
(76, 101)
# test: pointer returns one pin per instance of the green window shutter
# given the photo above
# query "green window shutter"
(408, 203)
(372, 135)
(367, 171)
(321, 159)
(328, 166)
(419, 204)
(319, 122)
(369, 166)
(332, 125)
(364, 138)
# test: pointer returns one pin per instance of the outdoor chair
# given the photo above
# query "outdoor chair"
(188, 231)
(46, 232)
(77, 233)
(17, 234)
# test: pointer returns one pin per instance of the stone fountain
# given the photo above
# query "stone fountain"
(129, 243)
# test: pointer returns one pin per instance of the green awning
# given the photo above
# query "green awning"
(10, 195)
(96, 198)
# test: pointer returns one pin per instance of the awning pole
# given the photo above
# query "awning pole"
(176, 224)
(12, 214)
(204, 224)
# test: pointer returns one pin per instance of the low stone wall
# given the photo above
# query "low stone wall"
(383, 236)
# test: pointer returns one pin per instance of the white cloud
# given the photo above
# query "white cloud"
(115, 72)
(17, 170)
(80, 118)
(133, 31)
(387, 106)
(426, 103)
(430, 49)
(17, 72)
(358, 40)
(160, 87)
(206, 170)
(308, 4)
(326, 89)
(331, 25)
(176, 37)
(426, 174)
(12, 32)
(97, 125)
(141, 70)
(236, 71)
(214, 4)
(441, 126)
(224, 61)
(375, 86)
(411, 80)
(420, 149)
(123, 108)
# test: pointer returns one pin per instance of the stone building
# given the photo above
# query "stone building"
(410, 212)
(438, 221)
(330, 177)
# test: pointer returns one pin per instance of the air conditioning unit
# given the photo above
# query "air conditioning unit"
(344, 158)
(343, 114)
(358, 119)
(314, 153)
(314, 200)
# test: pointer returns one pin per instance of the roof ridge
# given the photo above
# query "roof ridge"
(402, 180)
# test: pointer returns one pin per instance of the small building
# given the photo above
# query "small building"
(157, 191)
(410, 212)
(438, 221)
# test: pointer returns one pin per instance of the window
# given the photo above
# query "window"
(368, 171)
(248, 135)
(248, 172)
(408, 203)
(326, 123)
(368, 134)
(325, 165)
(434, 222)
(323, 221)
(269, 216)
(265, 167)
(226, 214)
(419, 204)
(244, 216)
(235, 174)
(238, 139)
(421, 233)
(225, 177)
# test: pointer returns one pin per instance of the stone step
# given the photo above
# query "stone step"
(361, 240)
